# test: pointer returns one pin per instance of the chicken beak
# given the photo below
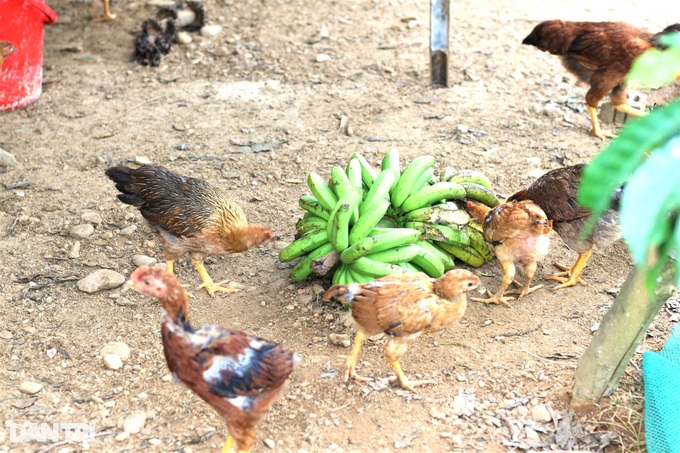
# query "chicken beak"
(129, 285)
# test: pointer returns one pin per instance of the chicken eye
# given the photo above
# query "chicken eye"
(147, 282)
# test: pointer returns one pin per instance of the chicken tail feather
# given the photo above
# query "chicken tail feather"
(122, 177)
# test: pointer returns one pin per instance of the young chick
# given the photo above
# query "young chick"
(190, 216)
(518, 232)
(555, 192)
(403, 306)
(238, 374)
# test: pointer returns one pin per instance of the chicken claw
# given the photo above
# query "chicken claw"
(571, 276)
(524, 291)
(567, 278)
(107, 16)
(404, 382)
(498, 299)
(210, 285)
(350, 367)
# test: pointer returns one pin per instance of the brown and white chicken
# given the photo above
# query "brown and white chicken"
(518, 232)
(555, 192)
(403, 306)
(238, 374)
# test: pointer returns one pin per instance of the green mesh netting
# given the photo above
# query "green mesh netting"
(661, 373)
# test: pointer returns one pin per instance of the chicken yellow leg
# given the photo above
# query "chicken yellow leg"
(571, 275)
(170, 266)
(230, 446)
(107, 14)
(394, 349)
(404, 382)
(625, 108)
(499, 298)
(350, 367)
(597, 132)
(529, 272)
(208, 282)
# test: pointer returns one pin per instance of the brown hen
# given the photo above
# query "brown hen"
(403, 306)
(238, 374)
(518, 232)
(599, 54)
(555, 192)
(190, 216)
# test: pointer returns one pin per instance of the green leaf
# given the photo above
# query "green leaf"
(649, 199)
(609, 169)
(657, 67)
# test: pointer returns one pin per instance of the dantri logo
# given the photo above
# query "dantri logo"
(50, 432)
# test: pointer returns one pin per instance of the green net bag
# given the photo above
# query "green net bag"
(661, 373)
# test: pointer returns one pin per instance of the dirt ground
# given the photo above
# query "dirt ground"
(511, 112)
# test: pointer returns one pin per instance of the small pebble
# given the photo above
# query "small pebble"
(127, 231)
(134, 422)
(116, 347)
(322, 57)
(51, 353)
(211, 30)
(155, 442)
(540, 413)
(30, 388)
(184, 37)
(143, 260)
(532, 434)
(122, 436)
(124, 302)
(462, 128)
(340, 339)
(74, 251)
(82, 231)
(91, 217)
(6, 334)
(6, 159)
(100, 280)
(113, 361)
(142, 160)
(270, 443)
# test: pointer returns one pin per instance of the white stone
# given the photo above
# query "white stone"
(91, 217)
(142, 160)
(116, 347)
(540, 413)
(82, 231)
(74, 251)
(143, 260)
(30, 388)
(100, 280)
(211, 30)
(134, 422)
(128, 231)
(6, 159)
(113, 361)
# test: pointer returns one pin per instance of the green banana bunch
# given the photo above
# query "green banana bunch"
(366, 223)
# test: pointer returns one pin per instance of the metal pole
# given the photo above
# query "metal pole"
(439, 42)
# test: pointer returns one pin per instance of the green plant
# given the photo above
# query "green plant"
(646, 157)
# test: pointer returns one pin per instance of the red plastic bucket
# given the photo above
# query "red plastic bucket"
(21, 24)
